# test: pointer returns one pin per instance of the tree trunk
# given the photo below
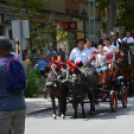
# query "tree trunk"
(111, 16)
(30, 39)
(54, 41)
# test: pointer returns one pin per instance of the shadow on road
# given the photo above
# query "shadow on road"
(103, 112)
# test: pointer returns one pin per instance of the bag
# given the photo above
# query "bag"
(16, 76)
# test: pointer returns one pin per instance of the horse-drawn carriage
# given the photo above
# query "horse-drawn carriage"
(63, 83)
(114, 88)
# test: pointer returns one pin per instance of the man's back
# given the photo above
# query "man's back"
(12, 106)
(7, 99)
(52, 54)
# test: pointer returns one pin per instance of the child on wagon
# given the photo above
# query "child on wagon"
(101, 59)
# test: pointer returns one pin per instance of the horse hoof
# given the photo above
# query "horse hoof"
(62, 116)
(54, 116)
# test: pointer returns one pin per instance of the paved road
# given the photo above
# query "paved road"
(37, 104)
(104, 122)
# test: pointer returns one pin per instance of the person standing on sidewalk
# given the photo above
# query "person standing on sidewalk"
(12, 105)
(51, 53)
(61, 53)
(14, 53)
(128, 39)
(42, 66)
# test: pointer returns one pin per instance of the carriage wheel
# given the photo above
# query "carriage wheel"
(113, 101)
(124, 96)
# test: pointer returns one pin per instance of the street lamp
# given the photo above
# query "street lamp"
(84, 16)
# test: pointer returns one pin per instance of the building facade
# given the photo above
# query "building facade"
(66, 15)
(70, 10)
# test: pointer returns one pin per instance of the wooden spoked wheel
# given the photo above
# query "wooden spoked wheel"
(124, 96)
(113, 101)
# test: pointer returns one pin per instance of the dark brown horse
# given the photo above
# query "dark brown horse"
(56, 89)
(87, 86)
(126, 68)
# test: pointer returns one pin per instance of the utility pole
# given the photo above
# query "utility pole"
(20, 43)
(92, 18)
(84, 17)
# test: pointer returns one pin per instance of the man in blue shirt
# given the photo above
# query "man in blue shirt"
(47, 60)
(42, 65)
(12, 106)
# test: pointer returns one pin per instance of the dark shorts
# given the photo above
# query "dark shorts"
(42, 73)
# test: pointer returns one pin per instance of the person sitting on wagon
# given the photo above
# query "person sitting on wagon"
(90, 46)
(110, 49)
(101, 59)
(81, 54)
(92, 49)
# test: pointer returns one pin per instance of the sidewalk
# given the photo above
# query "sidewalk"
(38, 104)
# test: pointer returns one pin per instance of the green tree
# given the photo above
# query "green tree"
(126, 14)
(32, 10)
(111, 6)
(111, 16)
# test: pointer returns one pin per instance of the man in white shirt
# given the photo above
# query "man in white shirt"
(128, 39)
(81, 54)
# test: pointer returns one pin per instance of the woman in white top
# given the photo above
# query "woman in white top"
(110, 49)
(101, 62)
(90, 47)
